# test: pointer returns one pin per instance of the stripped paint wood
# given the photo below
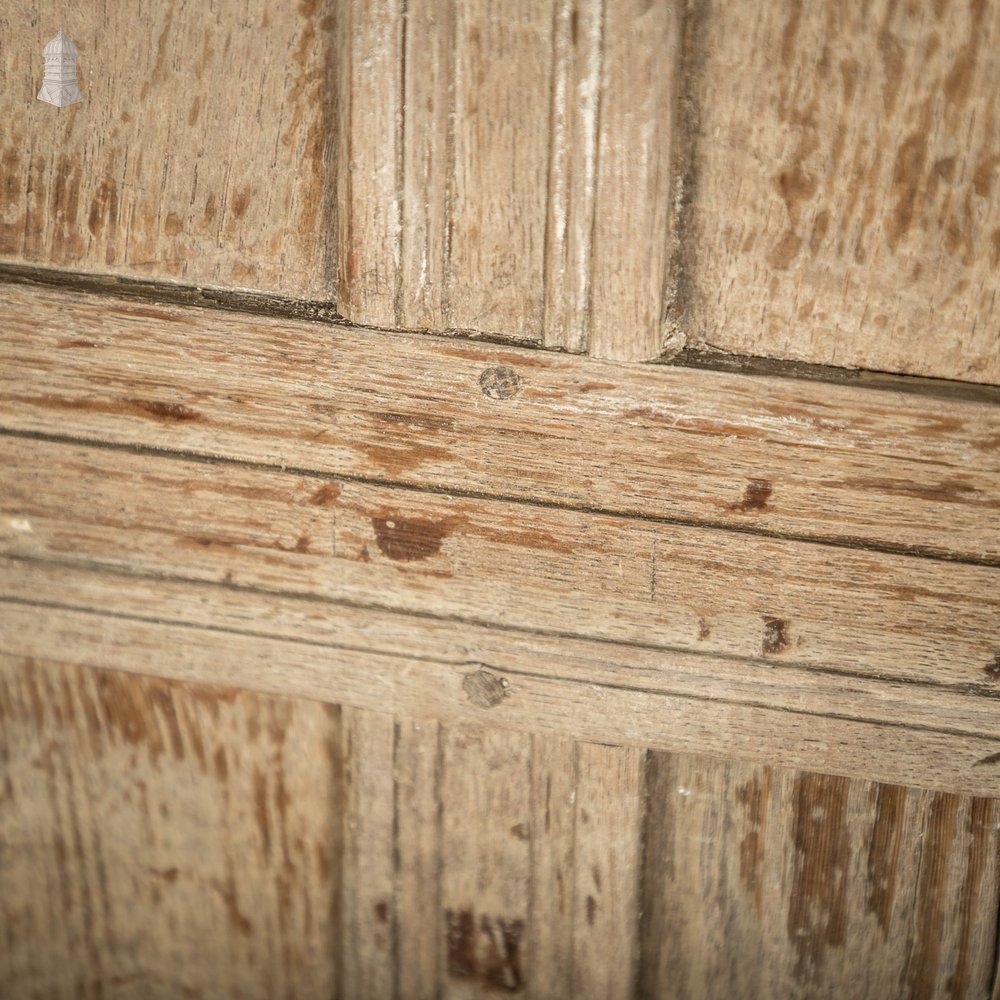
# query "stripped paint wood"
(162, 839)
(760, 454)
(202, 152)
(523, 188)
(606, 861)
(845, 185)
(243, 829)
(422, 668)
(368, 217)
(891, 617)
(368, 880)
(827, 886)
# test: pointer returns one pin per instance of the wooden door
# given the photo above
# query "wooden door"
(501, 499)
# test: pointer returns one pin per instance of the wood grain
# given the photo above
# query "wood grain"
(759, 454)
(895, 618)
(826, 886)
(369, 146)
(267, 862)
(845, 208)
(422, 668)
(523, 189)
(202, 151)
(164, 839)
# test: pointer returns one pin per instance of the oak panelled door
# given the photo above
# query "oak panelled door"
(500, 498)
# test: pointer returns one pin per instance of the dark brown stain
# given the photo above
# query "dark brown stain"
(382, 911)
(489, 954)
(396, 461)
(521, 831)
(704, 632)
(591, 910)
(755, 496)
(103, 207)
(170, 412)
(65, 344)
(172, 225)
(891, 52)
(789, 34)
(906, 176)
(817, 903)
(240, 202)
(785, 251)
(992, 669)
(407, 539)
(754, 797)
(484, 688)
(821, 225)
(982, 179)
(500, 382)
(993, 758)
(237, 918)
(776, 637)
(460, 939)
(221, 766)
(159, 72)
(883, 852)
(261, 811)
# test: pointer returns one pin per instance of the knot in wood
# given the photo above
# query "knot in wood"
(500, 382)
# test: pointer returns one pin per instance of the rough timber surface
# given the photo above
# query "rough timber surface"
(201, 152)
(425, 667)
(913, 473)
(845, 184)
(270, 843)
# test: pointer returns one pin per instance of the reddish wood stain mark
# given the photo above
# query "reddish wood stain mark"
(591, 910)
(65, 344)
(237, 918)
(992, 669)
(176, 412)
(325, 496)
(241, 201)
(407, 539)
(883, 852)
(817, 905)
(521, 831)
(755, 496)
(754, 796)
(704, 632)
(261, 811)
(382, 911)
(173, 224)
(489, 954)
(776, 637)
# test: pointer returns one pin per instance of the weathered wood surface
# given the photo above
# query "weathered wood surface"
(779, 456)
(266, 861)
(845, 184)
(520, 184)
(165, 840)
(829, 887)
(202, 152)
(895, 618)
(612, 177)
(426, 668)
